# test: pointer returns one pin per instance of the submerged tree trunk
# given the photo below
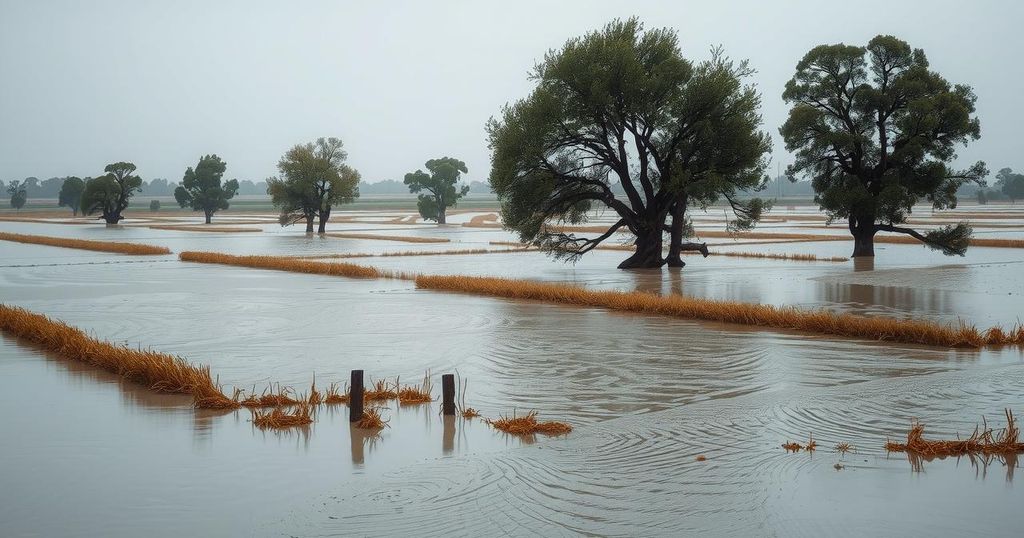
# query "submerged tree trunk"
(440, 216)
(309, 222)
(675, 246)
(208, 216)
(648, 253)
(863, 230)
(325, 215)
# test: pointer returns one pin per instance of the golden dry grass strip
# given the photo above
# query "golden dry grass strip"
(528, 425)
(158, 371)
(787, 318)
(371, 420)
(207, 228)
(983, 441)
(482, 219)
(281, 263)
(380, 391)
(401, 238)
(279, 418)
(84, 244)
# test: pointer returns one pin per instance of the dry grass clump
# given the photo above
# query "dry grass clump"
(159, 371)
(843, 448)
(983, 441)
(811, 445)
(83, 244)
(207, 228)
(271, 397)
(404, 238)
(336, 395)
(278, 418)
(528, 424)
(416, 394)
(482, 219)
(380, 391)
(280, 263)
(371, 420)
(469, 412)
(789, 318)
(701, 457)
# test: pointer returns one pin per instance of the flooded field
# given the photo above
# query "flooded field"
(678, 424)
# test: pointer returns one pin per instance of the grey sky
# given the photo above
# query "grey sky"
(84, 83)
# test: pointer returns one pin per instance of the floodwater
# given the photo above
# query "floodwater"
(86, 453)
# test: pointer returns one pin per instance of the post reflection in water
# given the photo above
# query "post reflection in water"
(448, 437)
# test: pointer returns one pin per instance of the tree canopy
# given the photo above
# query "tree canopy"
(876, 130)
(439, 186)
(110, 193)
(313, 179)
(19, 194)
(623, 106)
(201, 187)
(1011, 184)
(71, 193)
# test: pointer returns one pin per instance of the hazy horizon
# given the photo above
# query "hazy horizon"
(90, 83)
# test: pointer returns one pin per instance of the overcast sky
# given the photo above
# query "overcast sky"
(85, 83)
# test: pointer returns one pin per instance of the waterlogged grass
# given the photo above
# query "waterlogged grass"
(984, 440)
(528, 425)
(815, 321)
(84, 244)
(207, 228)
(278, 418)
(158, 371)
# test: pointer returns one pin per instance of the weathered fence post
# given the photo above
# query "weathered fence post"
(355, 401)
(448, 394)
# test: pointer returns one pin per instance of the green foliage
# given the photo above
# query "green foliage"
(154, 205)
(1011, 184)
(19, 194)
(313, 179)
(201, 187)
(110, 193)
(71, 193)
(875, 130)
(440, 186)
(622, 105)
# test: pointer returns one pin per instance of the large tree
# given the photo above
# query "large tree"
(110, 193)
(314, 178)
(622, 106)
(1011, 184)
(201, 187)
(876, 131)
(437, 190)
(19, 194)
(71, 193)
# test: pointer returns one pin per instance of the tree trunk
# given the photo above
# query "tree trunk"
(440, 216)
(208, 216)
(675, 246)
(309, 223)
(864, 241)
(325, 215)
(648, 253)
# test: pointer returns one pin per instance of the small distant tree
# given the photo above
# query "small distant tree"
(201, 188)
(982, 196)
(440, 186)
(1011, 184)
(154, 205)
(19, 194)
(110, 193)
(71, 193)
(875, 130)
(314, 179)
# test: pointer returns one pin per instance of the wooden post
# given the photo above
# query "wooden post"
(448, 394)
(355, 401)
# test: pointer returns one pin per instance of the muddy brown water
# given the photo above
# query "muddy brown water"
(86, 453)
